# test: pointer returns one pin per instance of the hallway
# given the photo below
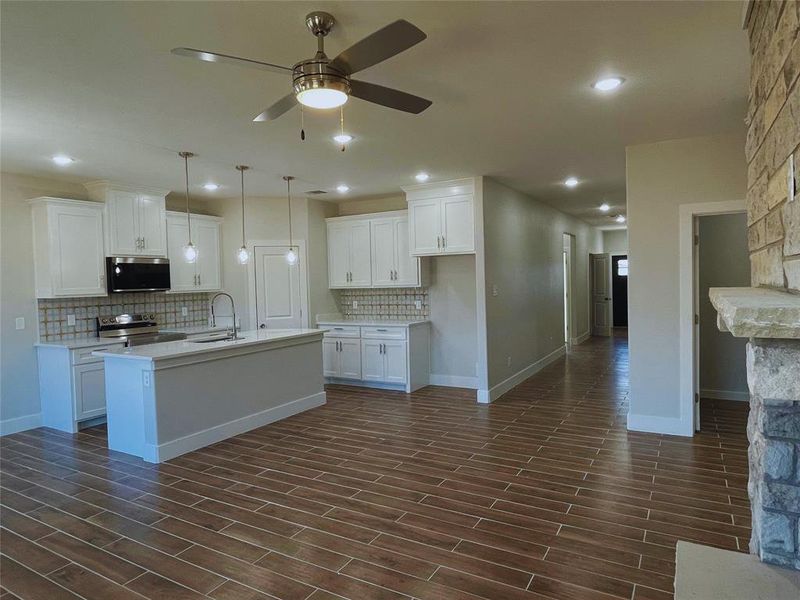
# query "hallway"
(542, 494)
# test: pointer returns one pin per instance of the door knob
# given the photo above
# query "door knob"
(262, 326)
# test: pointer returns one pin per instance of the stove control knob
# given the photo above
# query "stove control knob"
(104, 320)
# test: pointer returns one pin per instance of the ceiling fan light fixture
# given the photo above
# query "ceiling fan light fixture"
(321, 93)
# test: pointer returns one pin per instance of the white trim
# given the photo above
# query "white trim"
(581, 338)
(155, 453)
(17, 424)
(378, 385)
(486, 396)
(458, 381)
(302, 264)
(726, 395)
(666, 425)
(686, 301)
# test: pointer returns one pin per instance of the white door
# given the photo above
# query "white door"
(277, 287)
(394, 355)
(350, 359)
(424, 221)
(383, 252)
(206, 238)
(123, 223)
(372, 363)
(360, 248)
(458, 229)
(77, 251)
(406, 266)
(330, 357)
(601, 294)
(90, 391)
(182, 275)
(152, 225)
(338, 255)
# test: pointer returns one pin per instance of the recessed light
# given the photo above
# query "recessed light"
(342, 188)
(343, 138)
(62, 160)
(604, 207)
(422, 177)
(571, 182)
(620, 219)
(211, 186)
(608, 84)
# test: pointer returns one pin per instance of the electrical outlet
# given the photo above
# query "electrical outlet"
(71, 320)
(508, 361)
(20, 322)
(355, 303)
(418, 304)
(495, 292)
(184, 311)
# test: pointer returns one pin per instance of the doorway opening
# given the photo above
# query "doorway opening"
(619, 290)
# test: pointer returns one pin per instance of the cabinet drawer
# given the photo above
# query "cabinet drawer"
(345, 331)
(83, 356)
(384, 333)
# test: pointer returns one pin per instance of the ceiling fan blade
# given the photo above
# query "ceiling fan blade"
(276, 110)
(227, 58)
(384, 96)
(384, 43)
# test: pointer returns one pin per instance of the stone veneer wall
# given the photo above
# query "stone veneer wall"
(53, 312)
(773, 144)
(773, 216)
(385, 303)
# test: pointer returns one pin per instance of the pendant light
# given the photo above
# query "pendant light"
(291, 254)
(242, 255)
(189, 250)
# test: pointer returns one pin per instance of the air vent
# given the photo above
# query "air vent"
(316, 192)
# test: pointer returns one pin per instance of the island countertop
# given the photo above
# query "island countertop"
(188, 348)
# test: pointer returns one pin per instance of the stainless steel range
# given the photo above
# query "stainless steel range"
(135, 330)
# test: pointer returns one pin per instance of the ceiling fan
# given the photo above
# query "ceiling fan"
(320, 82)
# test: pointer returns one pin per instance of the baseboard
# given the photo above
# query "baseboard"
(665, 425)
(486, 396)
(17, 424)
(397, 387)
(161, 452)
(581, 338)
(726, 395)
(458, 381)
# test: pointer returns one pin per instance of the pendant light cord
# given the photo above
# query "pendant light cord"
(242, 169)
(186, 156)
(289, 204)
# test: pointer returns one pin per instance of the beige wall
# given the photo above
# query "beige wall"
(523, 244)
(615, 241)
(722, 262)
(661, 177)
(371, 205)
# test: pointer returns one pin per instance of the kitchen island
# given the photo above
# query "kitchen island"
(163, 400)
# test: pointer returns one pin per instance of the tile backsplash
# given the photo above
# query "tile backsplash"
(53, 312)
(385, 303)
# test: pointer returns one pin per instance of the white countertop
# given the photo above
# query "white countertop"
(87, 342)
(194, 329)
(185, 348)
(373, 322)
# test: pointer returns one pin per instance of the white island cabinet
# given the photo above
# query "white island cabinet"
(163, 400)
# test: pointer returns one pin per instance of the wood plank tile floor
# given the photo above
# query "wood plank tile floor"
(380, 495)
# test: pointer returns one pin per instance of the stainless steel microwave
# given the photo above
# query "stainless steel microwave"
(134, 274)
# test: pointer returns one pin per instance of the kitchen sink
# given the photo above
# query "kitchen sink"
(216, 338)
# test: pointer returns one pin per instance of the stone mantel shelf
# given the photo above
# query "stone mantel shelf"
(757, 312)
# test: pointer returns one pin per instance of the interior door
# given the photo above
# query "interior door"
(407, 266)
(360, 248)
(152, 220)
(182, 275)
(383, 250)
(458, 229)
(277, 286)
(123, 217)
(395, 362)
(601, 294)
(372, 362)
(330, 357)
(425, 221)
(350, 359)
(206, 237)
(338, 255)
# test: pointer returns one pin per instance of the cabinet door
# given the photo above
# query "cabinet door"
(152, 225)
(425, 227)
(206, 238)
(458, 228)
(76, 251)
(406, 266)
(383, 252)
(330, 357)
(350, 359)
(360, 248)
(90, 391)
(182, 275)
(338, 255)
(372, 363)
(395, 362)
(123, 223)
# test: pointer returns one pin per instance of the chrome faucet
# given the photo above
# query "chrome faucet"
(233, 310)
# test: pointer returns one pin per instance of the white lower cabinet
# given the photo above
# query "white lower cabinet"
(384, 361)
(90, 391)
(341, 358)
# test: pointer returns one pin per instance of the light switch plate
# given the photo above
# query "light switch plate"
(184, 311)
(418, 304)
(495, 291)
(355, 303)
(20, 322)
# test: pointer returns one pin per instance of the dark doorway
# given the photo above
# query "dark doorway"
(619, 289)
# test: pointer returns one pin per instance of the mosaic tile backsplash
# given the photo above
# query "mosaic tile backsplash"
(53, 312)
(386, 303)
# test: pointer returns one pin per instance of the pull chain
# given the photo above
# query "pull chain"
(302, 124)
(341, 124)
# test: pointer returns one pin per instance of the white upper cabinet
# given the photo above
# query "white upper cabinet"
(135, 219)
(68, 251)
(205, 274)
(441, 218)
(349, 254)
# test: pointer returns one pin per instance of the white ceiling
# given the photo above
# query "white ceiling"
(510, 84)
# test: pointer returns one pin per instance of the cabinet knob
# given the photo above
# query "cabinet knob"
(262, 326)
